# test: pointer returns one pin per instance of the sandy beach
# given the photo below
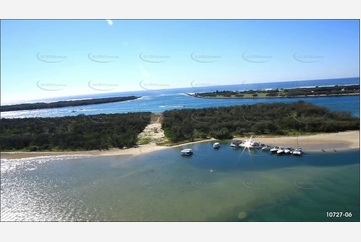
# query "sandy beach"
(328, 142)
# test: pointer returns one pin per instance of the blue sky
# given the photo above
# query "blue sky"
(50, 58)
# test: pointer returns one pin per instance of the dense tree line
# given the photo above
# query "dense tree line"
(61, 104)
(81, 132)
(328, 91)
(262, 118)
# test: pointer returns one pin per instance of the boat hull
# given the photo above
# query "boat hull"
(186, 152)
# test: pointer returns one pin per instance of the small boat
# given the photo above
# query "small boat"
(256, 145)
(297, 151)
(250, 144)
(235, 143)
(274, 149)
(287, 150)
(186, 152)
(216, 145)
(280, 150)
(265, 147)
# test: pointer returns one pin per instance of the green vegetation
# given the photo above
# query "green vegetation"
(144, 141)
(81, 132)
(281, 93)
(106, 131)
(260, 119)
(61, 104)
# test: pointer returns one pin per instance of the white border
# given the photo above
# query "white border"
(186, 9)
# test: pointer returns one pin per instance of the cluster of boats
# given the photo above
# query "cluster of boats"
(252, 144)
(289, 150)
(188, 152)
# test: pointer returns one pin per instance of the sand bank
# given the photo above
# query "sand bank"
(328, 142)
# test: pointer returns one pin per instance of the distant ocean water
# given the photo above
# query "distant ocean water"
(161, 100)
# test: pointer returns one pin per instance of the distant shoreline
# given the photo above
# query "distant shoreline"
(283, 97)
(62, 104)
(297, 92)
(339, 141)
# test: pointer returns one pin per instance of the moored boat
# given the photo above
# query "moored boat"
(235, 143)
(250, 144)
(216, 145)
(186, 152)
(297, 151)
(280, 150)
(274, 149)
(256, 145)
(287, 150)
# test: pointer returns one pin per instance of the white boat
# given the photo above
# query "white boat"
(287, 150)
(236, 143)
(274, 149)
(216, 145)
(297, 151)
(265, 147)
(250, 144)
(256, 145)
(280, 150)
(186, 152)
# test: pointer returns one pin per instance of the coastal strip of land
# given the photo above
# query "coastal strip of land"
(329, 142)
(61, 104)
(263, 96)
(297, 92)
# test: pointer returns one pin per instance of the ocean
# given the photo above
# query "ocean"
(211, 185)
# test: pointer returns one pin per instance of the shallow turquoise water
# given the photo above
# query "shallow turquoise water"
(164, 186)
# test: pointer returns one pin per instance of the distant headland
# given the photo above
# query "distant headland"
(316, 91)
(61, 104)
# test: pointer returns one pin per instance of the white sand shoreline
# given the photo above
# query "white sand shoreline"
(328, 142)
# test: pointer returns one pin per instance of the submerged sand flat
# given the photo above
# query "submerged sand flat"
(328, 142)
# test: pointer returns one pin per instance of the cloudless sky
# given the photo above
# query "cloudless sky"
(50, 58)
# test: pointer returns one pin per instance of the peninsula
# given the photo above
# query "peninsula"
(61, 104)
(316, 91)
